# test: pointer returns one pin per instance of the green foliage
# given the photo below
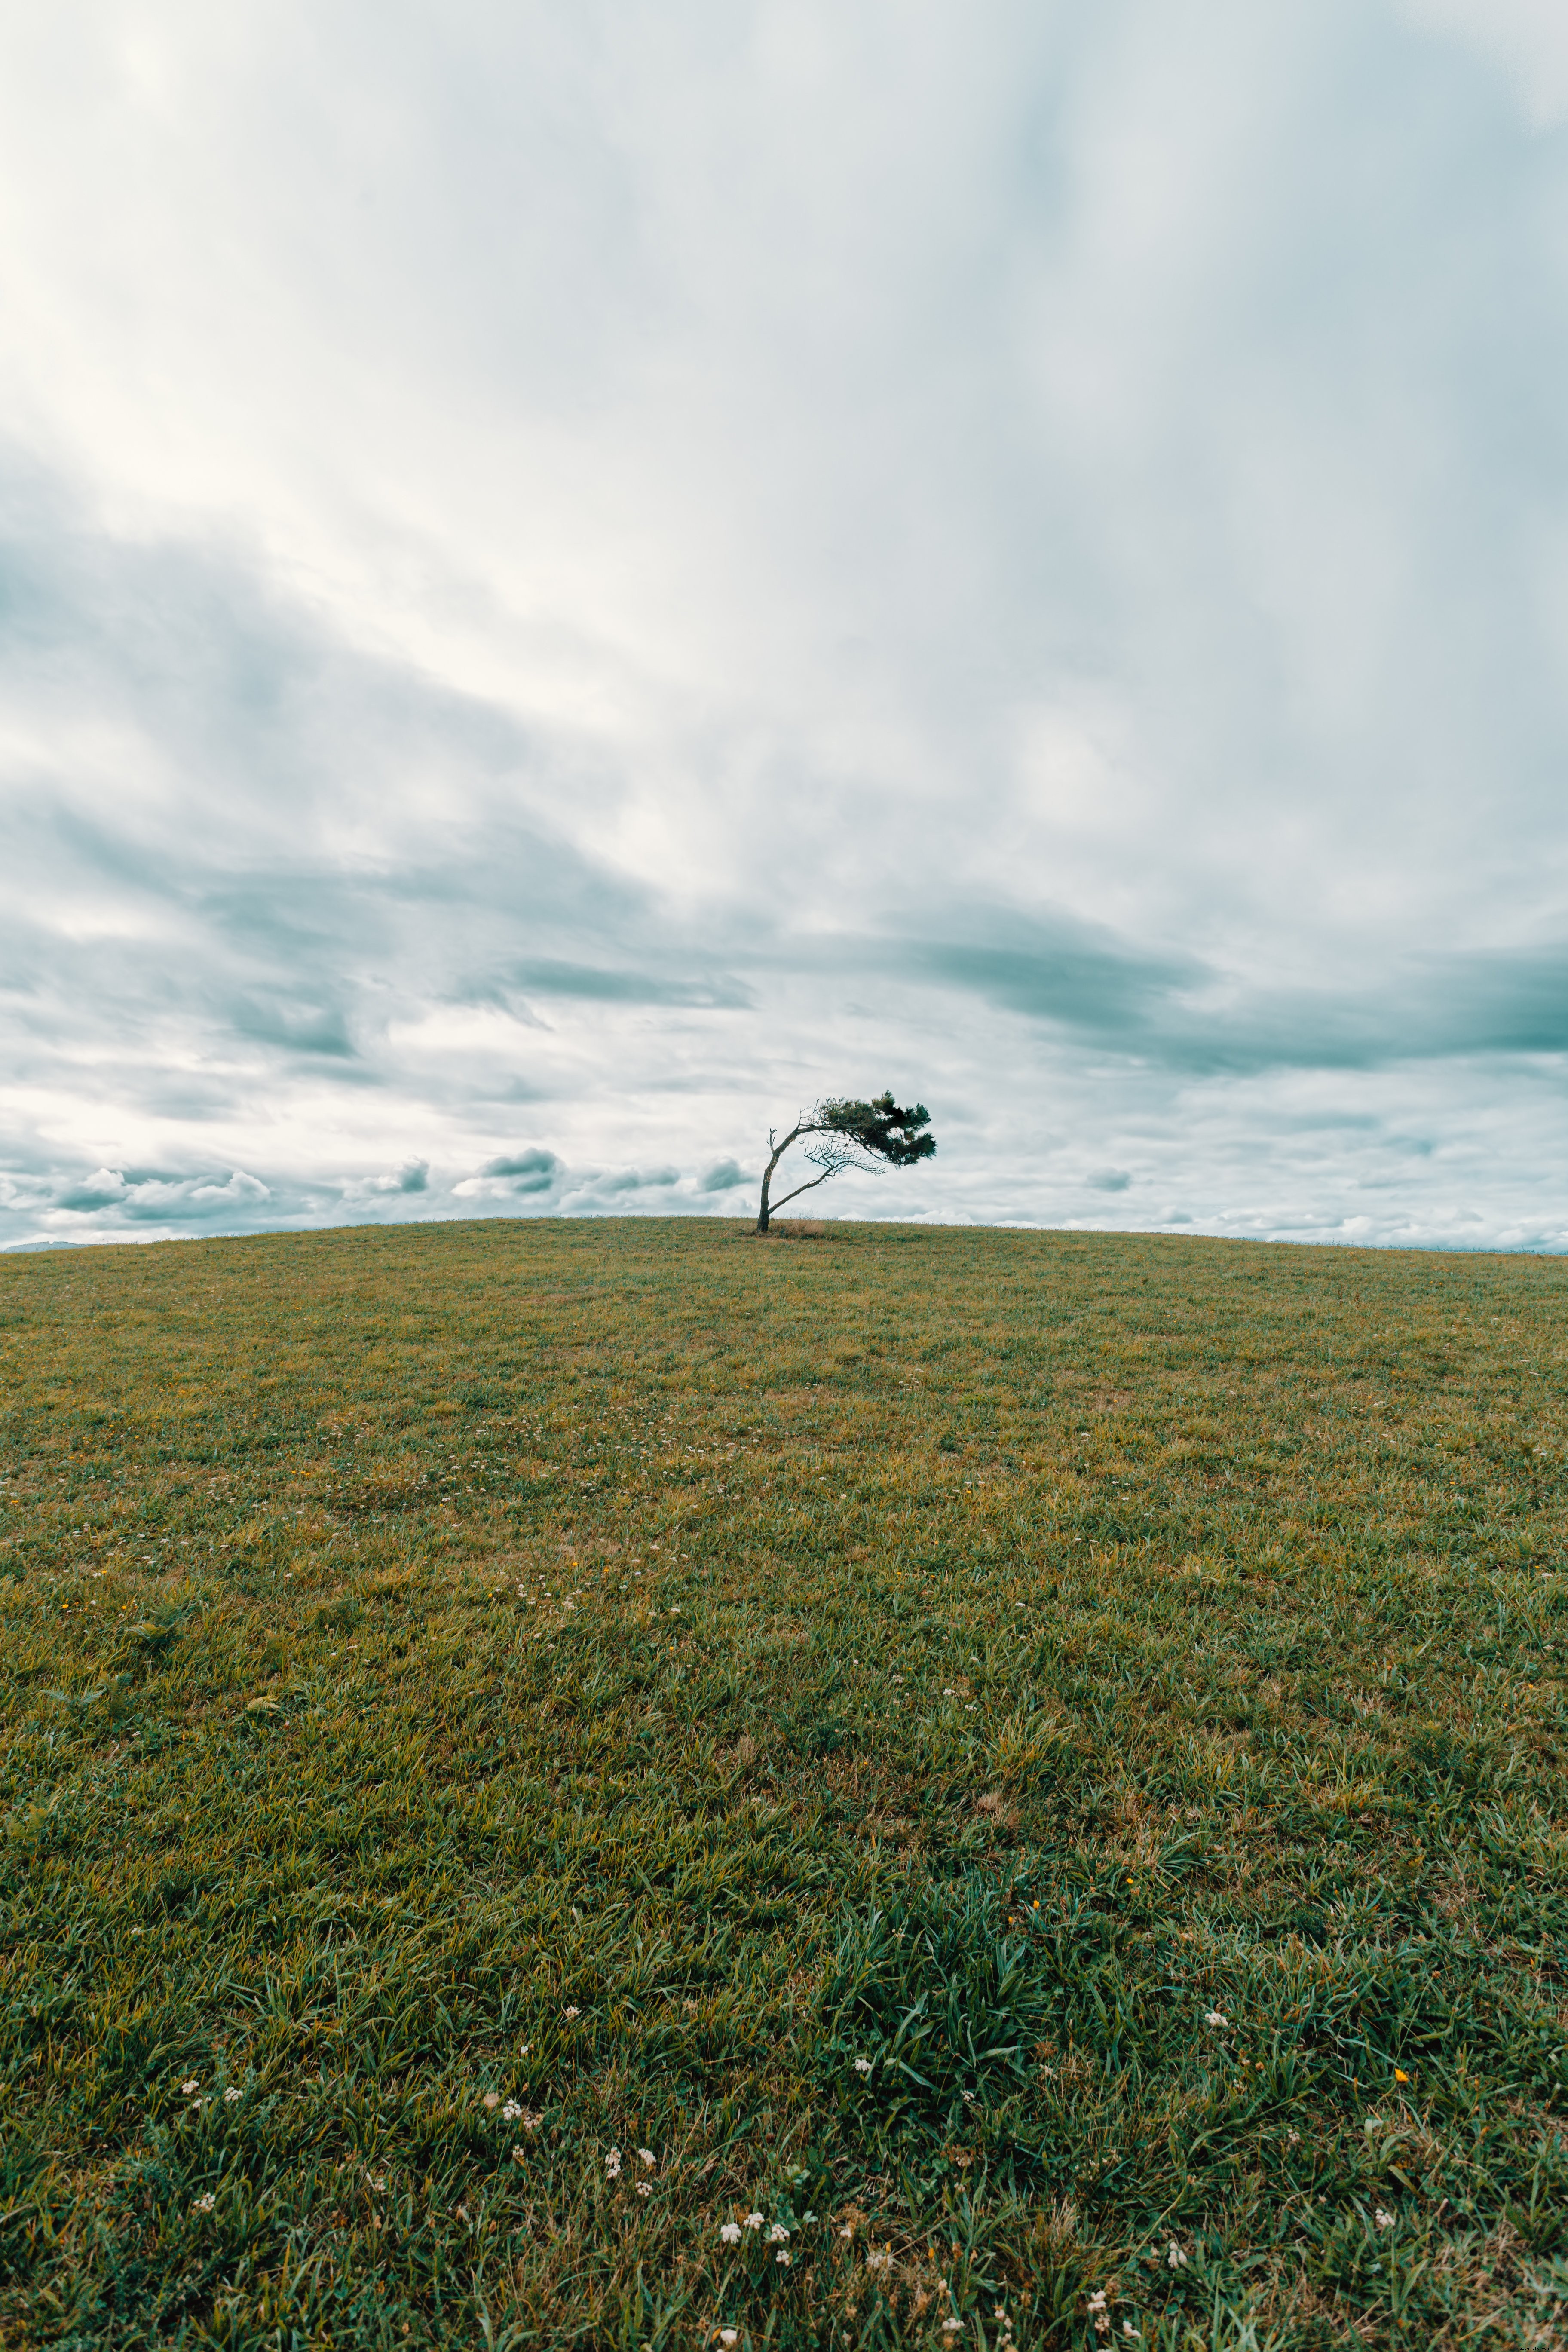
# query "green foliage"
(1112, 1687)
(881, 1128)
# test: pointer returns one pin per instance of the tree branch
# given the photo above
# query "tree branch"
(774, 1206)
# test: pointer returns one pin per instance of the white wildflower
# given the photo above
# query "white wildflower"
(1129, 2327)
(574, 2012)
(730, 2233)
(231, 2095)
(753, 2220)
(729, 2336)
(953, 2326)
(646, 2157)
(862, 2065)
(186, 2088)
(1175, 2257)
(493, 2098)
(645, 2188)
(613, 2164)
(1384, 2218)
(777, 2234)
(782, 2257)
(512, 2113)
(204, 2204)
(1215, 2017)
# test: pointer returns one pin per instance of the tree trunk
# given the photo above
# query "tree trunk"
(779, 1151)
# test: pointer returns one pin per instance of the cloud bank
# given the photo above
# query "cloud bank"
(571, 583)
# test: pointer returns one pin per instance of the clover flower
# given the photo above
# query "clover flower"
(613, 2164)
(782, 2257)
(862, 2065)
(777, 2234)
(753, 2220)
(645, 2188)
(881, 2261)
(730, 2233)
(1215, 2017)
(231, 2095)
(1175, 2257)
(646, 2157)
(1098, 2313)
(186, 2088)
(512, 2113)
(572, 2013)
(204, 2204)
(1384, 2218)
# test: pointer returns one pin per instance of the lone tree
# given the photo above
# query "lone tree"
(870, 1135)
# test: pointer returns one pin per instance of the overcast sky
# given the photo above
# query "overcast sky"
(575, 577)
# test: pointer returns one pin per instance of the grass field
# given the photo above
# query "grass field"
(602, 1783)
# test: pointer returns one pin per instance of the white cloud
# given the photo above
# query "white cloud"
(574, 580)
(1527, 38)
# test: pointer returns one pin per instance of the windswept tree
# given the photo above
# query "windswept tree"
(870, 1135)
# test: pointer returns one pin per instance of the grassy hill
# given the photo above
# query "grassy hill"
(1029, 1763)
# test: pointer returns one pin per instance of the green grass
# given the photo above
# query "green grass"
(1109, 1688)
